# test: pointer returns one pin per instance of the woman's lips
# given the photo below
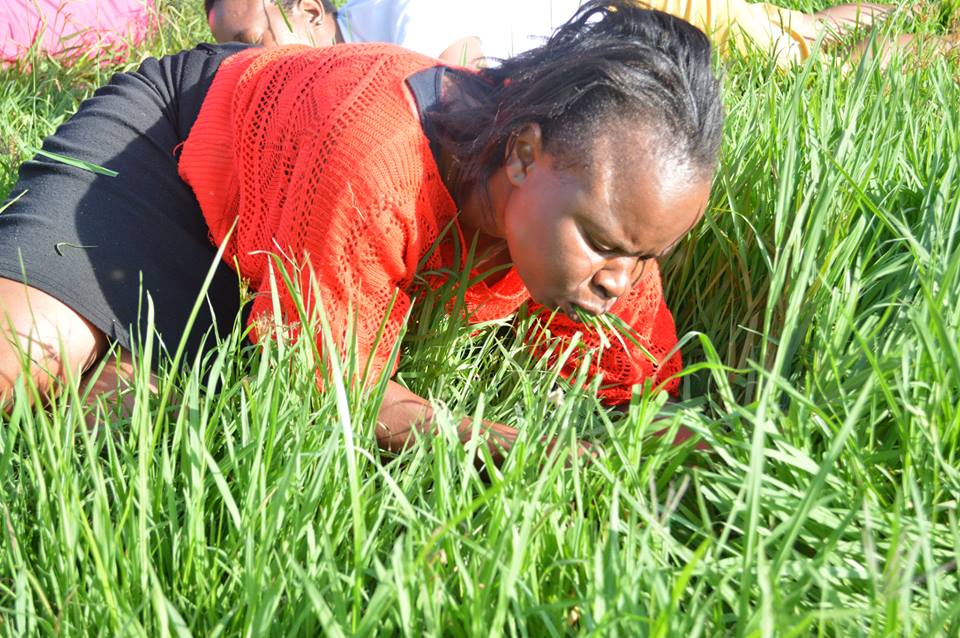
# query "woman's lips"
(570, 309)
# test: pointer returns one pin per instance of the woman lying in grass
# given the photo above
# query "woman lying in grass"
(570, 169)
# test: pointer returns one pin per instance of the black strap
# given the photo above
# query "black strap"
(427, 89)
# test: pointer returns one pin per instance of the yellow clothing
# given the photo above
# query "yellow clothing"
(739, 24)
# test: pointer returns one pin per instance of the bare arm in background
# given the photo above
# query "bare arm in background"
(465, 52)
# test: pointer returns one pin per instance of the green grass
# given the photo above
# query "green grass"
(820, 307)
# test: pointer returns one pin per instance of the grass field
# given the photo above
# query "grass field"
(820, 307)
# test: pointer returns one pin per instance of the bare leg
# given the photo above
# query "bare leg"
(847, 16)
(842, 18)
(916, 47)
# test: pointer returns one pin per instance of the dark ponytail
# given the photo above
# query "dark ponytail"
(610, 60)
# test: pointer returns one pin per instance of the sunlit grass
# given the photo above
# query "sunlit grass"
(819, 305)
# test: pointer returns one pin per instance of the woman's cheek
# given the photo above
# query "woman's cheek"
(573, 256)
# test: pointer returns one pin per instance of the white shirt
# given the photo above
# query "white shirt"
(515, 26)
(504, 27)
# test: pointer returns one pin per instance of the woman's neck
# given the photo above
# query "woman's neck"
(478, 202)
(478, 223)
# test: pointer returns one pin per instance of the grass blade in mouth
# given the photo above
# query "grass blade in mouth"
(594, 323)
(607, 322)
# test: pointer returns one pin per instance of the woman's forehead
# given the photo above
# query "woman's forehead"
(651, 201)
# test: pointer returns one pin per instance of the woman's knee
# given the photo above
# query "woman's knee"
(44, 336)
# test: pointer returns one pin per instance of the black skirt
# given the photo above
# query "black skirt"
(101, 244)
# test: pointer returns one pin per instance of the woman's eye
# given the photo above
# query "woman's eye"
(598, 246)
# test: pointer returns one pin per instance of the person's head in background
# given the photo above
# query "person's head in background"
(273, 22)
(314, 23)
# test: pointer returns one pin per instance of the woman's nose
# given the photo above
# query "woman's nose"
(613, 280)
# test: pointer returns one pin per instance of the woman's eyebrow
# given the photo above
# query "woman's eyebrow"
(645, 255)
(602, 236)
(663, 253)
(641, 255)
(615, 246)
(676, 241)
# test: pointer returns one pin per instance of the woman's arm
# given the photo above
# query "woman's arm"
(465, 52)
(404, 415)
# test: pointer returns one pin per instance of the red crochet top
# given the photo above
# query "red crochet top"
(318, 155)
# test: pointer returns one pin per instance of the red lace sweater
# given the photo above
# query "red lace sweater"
(318, 155)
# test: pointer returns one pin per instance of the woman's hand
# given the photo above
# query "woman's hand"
(683, 432)
(586, 451)
(404, 415)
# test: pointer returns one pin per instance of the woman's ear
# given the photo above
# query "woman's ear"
(320, 25)
(523, 152)
(313, 11)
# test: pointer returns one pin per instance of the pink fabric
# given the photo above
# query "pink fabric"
(70, 28)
